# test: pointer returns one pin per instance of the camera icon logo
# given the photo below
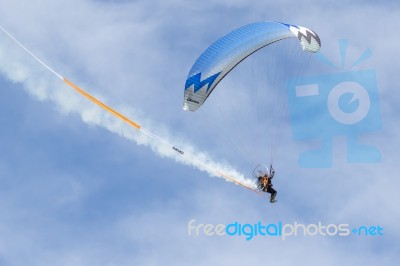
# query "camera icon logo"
(359, 93)
(337, 104)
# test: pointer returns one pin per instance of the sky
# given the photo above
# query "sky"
(77, 187)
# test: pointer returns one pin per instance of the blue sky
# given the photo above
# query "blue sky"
(76, 188)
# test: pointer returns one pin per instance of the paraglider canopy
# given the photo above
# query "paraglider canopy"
(224, 54)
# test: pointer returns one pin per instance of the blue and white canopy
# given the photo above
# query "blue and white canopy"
(224, 54)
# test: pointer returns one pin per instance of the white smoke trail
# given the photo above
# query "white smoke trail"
(18, 67)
